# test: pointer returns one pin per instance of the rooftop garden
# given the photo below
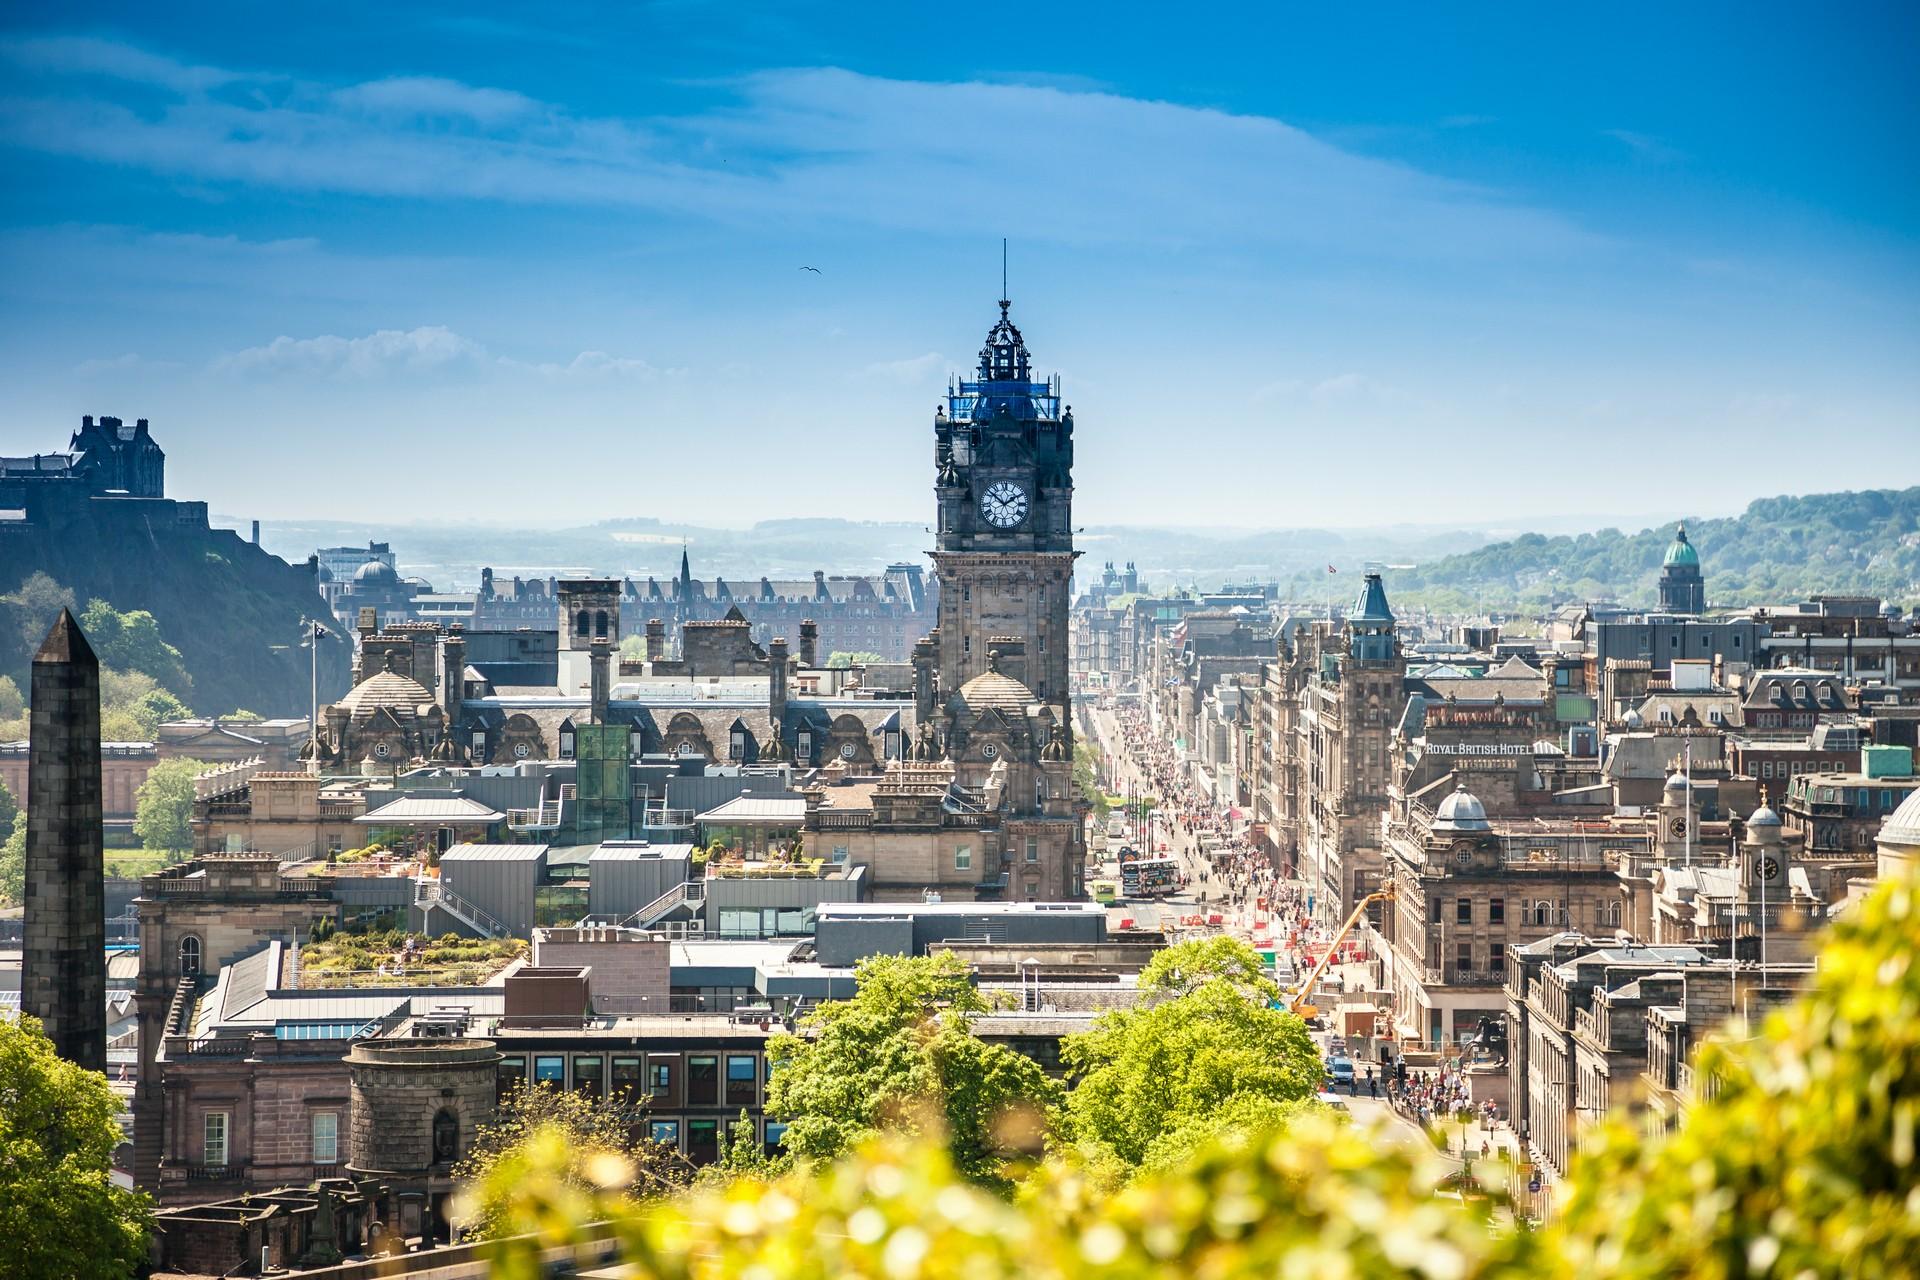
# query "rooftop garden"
(394, 957)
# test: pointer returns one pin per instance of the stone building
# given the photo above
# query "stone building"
(879, 613)
(105, 457)
(1555, 988)
(1467, 888)
(1599, 1026)
(275, 743)
(1352, 693)
(123, 767)
(415, 1107)
(1682, 589)
(195, 919)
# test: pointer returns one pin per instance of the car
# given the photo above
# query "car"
(1340, 1070)
(1330, 1099)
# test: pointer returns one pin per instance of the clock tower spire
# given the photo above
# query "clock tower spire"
(1003, 486)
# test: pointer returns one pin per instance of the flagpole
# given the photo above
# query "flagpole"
(1686, 771)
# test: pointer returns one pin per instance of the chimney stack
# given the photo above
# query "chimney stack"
(601, 658)
(809, 643)
(656, 640)
(777, 684)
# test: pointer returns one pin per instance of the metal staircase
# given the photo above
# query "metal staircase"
(431, 895)
(687, 893)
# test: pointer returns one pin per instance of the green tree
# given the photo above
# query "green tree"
(1153, 1081)
(60, 1213)
(901, 1054)
(163, 807)
(13, 703)
(243, 716)
(13, 862)
(1086, 779)
(595, 1146)
(843, 658)
(9, 809)
(132, 642)
(36, 603)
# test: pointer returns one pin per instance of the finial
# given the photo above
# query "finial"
(993, 658)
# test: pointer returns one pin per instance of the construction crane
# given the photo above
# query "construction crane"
(1299, 1004)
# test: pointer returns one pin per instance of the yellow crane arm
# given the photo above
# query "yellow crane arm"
(1333, 948)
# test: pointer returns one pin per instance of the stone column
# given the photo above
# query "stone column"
(64, 980)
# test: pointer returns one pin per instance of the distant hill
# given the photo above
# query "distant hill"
(232, 610)
(1778, 549)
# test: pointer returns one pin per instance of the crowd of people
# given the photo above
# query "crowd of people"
(1230, 873)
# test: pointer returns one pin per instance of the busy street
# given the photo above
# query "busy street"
(1228, 886)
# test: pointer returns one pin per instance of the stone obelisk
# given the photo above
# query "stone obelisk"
(64, 980)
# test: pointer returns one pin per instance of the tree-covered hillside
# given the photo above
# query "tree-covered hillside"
(1779, 549)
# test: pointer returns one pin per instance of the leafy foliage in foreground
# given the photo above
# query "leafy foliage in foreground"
(578, 1144)
(1796, 1158)
(1803, 1160)
(60, 1213)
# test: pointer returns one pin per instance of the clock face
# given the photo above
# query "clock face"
(1679, 826)
(1004, 504)
(1769, 868)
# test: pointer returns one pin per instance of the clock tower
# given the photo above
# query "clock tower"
(1003, 483)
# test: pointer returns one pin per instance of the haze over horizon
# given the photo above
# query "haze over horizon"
(1315, 271)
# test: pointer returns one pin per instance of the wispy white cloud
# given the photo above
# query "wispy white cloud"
(433, 97)
(594, 364)
(820, 144)
(428, 347)
(87, 56)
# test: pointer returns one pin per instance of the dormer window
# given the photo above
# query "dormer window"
(636, 743)
(566, 744)
(737, 745)
(803, 744)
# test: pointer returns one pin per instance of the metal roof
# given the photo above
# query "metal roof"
(493, 853)
(431, 809)
(758, 808)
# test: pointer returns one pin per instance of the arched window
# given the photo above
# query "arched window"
(580, 623)
(189, 956)
(446, 1137)
(600, 623)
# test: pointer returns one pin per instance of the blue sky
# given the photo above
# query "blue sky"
(1324, 265)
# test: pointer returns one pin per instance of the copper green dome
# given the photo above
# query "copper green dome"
(1681, 552)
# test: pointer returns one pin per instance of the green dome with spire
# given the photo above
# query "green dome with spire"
(1681, 552)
